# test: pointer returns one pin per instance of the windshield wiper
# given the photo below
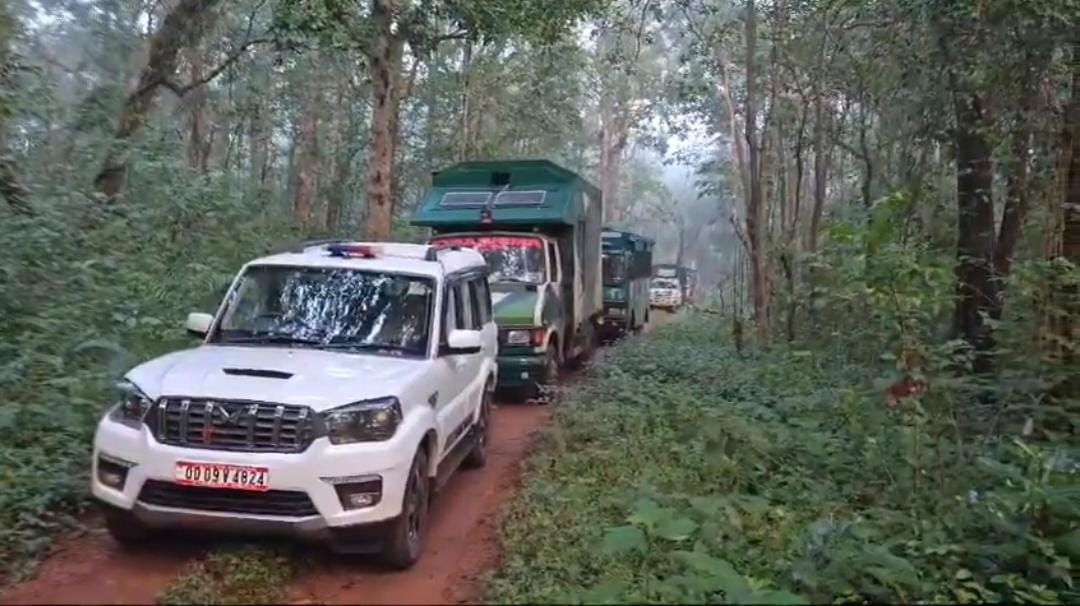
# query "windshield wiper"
(377, 347)
(271, 339)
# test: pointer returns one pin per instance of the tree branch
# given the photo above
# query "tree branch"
(224, 65)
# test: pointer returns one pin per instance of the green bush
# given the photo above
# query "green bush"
(88, 291)
(689, 473)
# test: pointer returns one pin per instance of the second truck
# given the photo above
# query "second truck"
(538, 226)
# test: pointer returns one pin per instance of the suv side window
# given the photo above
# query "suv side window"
(466, 318)
(451, 313)
(480, 312)
(485, 299)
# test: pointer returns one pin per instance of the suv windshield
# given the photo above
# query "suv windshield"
(614, 268)
(509, 258)
(329, 308)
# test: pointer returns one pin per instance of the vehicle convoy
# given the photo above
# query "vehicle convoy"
(538, 226)
(627, 263)
(335, 391)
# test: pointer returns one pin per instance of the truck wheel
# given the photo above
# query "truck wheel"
(550, 378)
(477, 457)
(405, 537)
(125, 529)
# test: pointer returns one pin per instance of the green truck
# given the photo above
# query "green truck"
(627, 264)
(538, 225)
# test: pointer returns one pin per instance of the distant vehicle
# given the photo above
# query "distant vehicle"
(685, 277)
(538, 225)
(627, 263)
(665, 293)
(337, 388)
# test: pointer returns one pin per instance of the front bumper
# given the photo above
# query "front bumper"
(522, 370)
(309, 473)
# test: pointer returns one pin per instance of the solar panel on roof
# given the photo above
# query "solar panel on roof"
(465, 199)
(520, 198)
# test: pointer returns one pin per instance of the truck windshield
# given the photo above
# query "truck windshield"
(614, 267)
(328, 308)
(509, 258)
(665, 283)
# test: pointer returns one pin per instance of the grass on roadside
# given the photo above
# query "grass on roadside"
(688, 473)
(247, 574)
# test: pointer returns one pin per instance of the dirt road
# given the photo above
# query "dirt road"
(92, 569)
(462, 543)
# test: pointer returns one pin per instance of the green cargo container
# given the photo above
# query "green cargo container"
(627, 264)
(538, 225)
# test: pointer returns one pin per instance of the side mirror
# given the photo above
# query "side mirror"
(463, 342)
(198, 324)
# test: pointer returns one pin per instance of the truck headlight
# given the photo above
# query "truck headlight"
(367, 421)
(132, 405)
(525, 336)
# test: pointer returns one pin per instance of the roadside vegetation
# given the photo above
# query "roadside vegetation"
(84, 300)
(691, 471)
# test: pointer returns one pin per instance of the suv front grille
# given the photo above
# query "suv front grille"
(232, 425)
(288, 503)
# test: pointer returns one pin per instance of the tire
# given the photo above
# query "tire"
(477, 457)
(405, 537)
(125, 529)
(551, 374)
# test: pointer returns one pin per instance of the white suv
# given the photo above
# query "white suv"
(337, 388)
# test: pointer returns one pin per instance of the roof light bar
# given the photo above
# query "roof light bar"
(351, 251)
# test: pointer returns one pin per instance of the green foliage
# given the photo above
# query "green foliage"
(242, 575)
(88, 292)
(690, 473)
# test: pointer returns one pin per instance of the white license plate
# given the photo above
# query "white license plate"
(218, 475)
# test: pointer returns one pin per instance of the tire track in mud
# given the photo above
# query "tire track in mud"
(462, 542)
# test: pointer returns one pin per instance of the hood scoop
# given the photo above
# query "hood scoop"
(257, 372)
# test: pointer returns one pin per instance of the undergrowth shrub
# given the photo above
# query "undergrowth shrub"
(87, 292)
(688, 472)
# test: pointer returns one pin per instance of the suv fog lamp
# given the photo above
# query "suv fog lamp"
(112, 471)
(357, 492)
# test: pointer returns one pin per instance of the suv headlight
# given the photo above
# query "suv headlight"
(367, 421)
(132, 405)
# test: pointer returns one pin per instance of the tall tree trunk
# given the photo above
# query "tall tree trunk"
(183, 26)
(755, 212)
(466, 149)
(1068, 294)
(343, 148)
(975, 283)
(198, 140)
(613, 138)
(821, 168)
(307, 155)
(260, 126)
(385, 63)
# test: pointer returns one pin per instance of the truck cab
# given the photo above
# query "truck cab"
(538, 227)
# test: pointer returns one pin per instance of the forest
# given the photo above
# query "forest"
(882, 198)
